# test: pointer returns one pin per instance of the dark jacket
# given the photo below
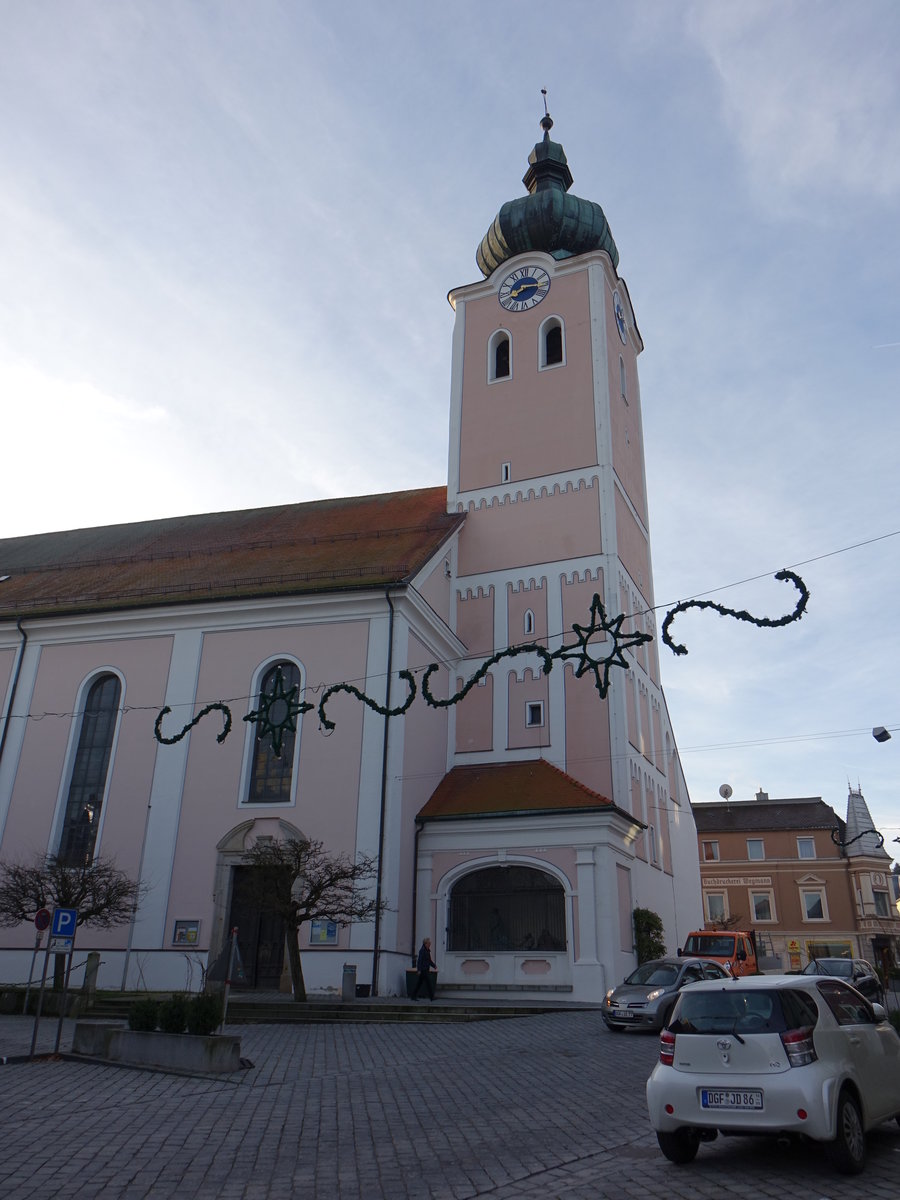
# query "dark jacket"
(425, 962)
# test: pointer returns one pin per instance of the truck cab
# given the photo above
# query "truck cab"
(734, 948)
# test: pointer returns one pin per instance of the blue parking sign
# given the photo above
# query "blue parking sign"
(64, 922)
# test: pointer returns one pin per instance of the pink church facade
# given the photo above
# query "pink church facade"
(517, 826)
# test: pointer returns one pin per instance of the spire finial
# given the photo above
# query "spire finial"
(546, 119)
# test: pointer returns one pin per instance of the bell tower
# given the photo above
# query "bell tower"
(546, 458)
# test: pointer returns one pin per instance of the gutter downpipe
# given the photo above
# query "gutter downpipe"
(420, 825)
(15, 685)
(384, 752)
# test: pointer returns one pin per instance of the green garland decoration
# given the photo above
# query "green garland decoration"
(278, 712)
(838, 841)
(170, 741)
(580, 651)
(739, 615)
(373, 704)
(279, 708)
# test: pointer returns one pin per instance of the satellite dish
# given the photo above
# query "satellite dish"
(726, 791)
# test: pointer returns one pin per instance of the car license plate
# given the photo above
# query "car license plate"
(623, 1014)
(728, 1098)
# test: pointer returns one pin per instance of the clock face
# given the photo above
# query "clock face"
(524, 288)
(620, 316)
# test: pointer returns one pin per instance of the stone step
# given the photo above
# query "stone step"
(243, 1011)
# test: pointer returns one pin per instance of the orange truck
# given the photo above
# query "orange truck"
(734, 948)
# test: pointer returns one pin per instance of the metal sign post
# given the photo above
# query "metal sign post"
(61, 941)
(232, 952)
(42, 920)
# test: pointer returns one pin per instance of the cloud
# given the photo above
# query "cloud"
(811, 94)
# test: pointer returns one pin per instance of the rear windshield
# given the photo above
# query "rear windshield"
(661, 974)
(715, 947)
(732, 1010)
(842, 967)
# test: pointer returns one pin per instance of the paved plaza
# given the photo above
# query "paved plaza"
(550, 1105)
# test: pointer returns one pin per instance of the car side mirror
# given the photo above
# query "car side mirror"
(680, 952)
(880, 1013)
(742, 956)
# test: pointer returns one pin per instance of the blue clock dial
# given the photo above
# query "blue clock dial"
(620, 316)
(523, 288)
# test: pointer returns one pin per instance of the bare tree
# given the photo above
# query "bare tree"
(103, 895)
(300, 882)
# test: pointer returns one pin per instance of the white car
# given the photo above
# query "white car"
(775, 1054)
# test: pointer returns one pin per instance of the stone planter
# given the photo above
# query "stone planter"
(167, 1051)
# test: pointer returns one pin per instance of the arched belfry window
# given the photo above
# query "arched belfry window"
(552, 343)
(529, 621)
(499, 356)
(271, 773)
(90, 768)
(507, 908)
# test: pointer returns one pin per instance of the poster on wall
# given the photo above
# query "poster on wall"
(323, 933)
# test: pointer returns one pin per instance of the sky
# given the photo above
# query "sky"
(227, 235)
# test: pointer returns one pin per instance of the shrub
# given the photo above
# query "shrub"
(173, 1014)
(143, 1015)
(649, 939)
(204, 1014)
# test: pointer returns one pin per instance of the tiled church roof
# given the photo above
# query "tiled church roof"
(327, 545)
(510, 789)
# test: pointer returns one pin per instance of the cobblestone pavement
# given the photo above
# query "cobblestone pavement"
(548, 1106)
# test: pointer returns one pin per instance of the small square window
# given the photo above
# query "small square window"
(755, 849)
(534, 714)
(710, 851)
(806, 847)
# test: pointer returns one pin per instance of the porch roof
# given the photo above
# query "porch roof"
(512, 789)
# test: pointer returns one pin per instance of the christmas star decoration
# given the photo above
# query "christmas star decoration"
(587, 654)
(277, 713)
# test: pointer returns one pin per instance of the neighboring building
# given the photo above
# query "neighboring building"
(809, 884)
(518, 826)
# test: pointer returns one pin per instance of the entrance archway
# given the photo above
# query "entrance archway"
(260, 932)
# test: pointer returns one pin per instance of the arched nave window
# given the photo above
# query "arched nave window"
(90, 768)
(271, 775)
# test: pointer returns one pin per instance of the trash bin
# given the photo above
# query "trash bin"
(363, 991)
(348, 982)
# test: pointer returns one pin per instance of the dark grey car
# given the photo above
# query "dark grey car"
(855, 971)
(646, 999)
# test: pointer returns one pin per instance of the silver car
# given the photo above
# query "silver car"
(646, 999)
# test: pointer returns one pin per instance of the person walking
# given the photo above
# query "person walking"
(427, 968)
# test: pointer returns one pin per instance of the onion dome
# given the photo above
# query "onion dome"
(549, 218)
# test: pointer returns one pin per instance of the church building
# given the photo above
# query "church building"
(471, 671)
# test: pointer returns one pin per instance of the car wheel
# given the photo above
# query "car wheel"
(679, 1147)
(848, 1150)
